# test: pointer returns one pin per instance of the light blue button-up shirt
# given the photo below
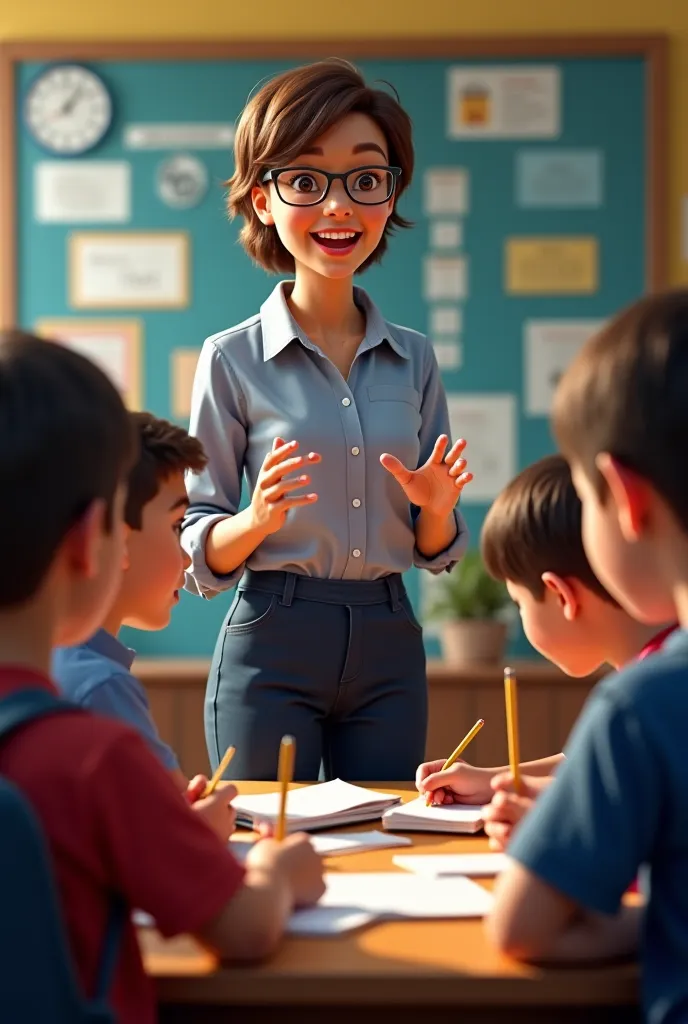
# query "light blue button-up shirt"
(265, 379)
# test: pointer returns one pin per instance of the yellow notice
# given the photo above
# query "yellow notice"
(552, 266)
(184, 362)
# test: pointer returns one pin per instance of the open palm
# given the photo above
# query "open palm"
(437, 485)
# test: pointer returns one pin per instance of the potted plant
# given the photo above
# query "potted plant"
(473, 608)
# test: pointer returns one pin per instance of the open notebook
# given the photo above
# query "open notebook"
(322, 806)
(416, 817)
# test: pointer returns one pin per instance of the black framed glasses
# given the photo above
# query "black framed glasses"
(308, 186)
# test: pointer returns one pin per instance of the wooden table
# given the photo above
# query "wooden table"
(420, 971)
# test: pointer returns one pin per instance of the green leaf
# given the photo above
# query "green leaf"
(469, 592)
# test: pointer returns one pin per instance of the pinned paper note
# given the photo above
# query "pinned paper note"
(446, 234)
(449, 354)
(551, 266)
(560, 178)
(446, 190)
(78, 192)
(488, 422)
(184, 362)
(549, 347)
(504, 101)
(446, 277)
(113, 345)
(446, 320)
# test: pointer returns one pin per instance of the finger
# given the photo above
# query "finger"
(273, 475)
(278, 454)
(464, 479)
(496, 845)
(457, 468)
(298, 501)
(277, 492)
(455, 450)
(398, 470)
(279, 442)
(196, 788)
(439, 449)
(504, 780)
(426, 769)
(498, 830)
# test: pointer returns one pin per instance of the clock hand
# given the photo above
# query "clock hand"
(68, 106)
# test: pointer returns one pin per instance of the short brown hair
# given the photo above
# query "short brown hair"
(283, 119)
(165, 449)
(626, 393)
(534, 526)
(65, 442)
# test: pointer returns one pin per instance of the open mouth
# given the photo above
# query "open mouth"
(339, 242)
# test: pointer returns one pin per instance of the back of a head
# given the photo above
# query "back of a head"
(65, 441)
(534, 526)
(626, 393)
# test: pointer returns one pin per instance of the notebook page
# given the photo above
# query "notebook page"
(320, 801)
(437, 813)
(477, 865)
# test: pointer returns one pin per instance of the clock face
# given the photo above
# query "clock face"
(68, 109)
(182, 181)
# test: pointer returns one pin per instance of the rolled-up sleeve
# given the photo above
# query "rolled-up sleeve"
(218, 420)
(435, 421)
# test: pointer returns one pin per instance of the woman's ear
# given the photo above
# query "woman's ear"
(564, 593)
(261, 200)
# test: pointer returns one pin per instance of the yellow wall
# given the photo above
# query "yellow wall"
(200, 19)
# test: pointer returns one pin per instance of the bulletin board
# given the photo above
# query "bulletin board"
(539, 205)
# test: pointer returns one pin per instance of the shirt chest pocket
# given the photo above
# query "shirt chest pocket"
(393, 421)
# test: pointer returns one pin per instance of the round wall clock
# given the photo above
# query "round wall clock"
(68, 109)
(182, 181)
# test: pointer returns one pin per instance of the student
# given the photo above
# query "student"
(321, 640)
(621, 798)
(97, 674)
(113, 818)
(531, 539)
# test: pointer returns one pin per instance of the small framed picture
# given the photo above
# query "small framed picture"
(136, 270)
(114, 345)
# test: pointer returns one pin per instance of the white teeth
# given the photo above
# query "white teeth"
(336, 234)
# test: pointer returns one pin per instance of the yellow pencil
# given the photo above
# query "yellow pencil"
(510, 697)
(286, 774)
(458, 752)
(219, 771)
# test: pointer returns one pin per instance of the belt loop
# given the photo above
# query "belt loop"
(288, 592)
(394, 591)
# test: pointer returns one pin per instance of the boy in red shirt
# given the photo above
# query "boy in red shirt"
(113, 818)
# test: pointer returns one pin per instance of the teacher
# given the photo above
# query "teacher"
(339, 421)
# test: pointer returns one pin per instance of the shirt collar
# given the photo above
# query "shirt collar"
(280, 329)
(657, 642)
(109, 646)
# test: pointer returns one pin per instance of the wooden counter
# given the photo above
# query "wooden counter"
(392, 973)
(549, 703)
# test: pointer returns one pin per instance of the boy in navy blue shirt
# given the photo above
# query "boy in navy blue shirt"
(97, 674)
(620, 801)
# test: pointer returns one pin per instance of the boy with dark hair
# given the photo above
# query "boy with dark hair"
(113, 819)
(97, 674)
(621, 799)
(531, 539)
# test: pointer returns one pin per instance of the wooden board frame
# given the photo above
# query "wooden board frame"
(654, 49)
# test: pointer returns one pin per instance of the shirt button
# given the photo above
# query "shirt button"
(356, 552)
(355, 450)
(356, 503)
(346, 401)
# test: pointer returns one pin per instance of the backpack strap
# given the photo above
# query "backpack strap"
(17, 710)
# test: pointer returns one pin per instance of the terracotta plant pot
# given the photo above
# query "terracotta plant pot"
(471, 641)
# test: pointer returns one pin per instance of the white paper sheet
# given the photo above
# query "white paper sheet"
(503, 101)
(446, 190)
(549, 347)
(449, 354)
(82, 192)
(440, 817)
(446, 234)
(335, 844)
(477, 865)
(138, 270)
(445, 320)
(352, 900)
(321, 806)
(488, 422)
(445, 277)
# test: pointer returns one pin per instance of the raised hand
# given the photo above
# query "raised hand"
(272, 496)
(437, 485)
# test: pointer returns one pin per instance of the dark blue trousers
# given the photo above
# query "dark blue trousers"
(338, 664)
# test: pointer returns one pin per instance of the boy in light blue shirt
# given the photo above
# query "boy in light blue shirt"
(97, 674)
(619, 803)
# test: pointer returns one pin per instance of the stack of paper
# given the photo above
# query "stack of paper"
(416, 817)
(354, 900)
(474, 865)
(313, 807)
